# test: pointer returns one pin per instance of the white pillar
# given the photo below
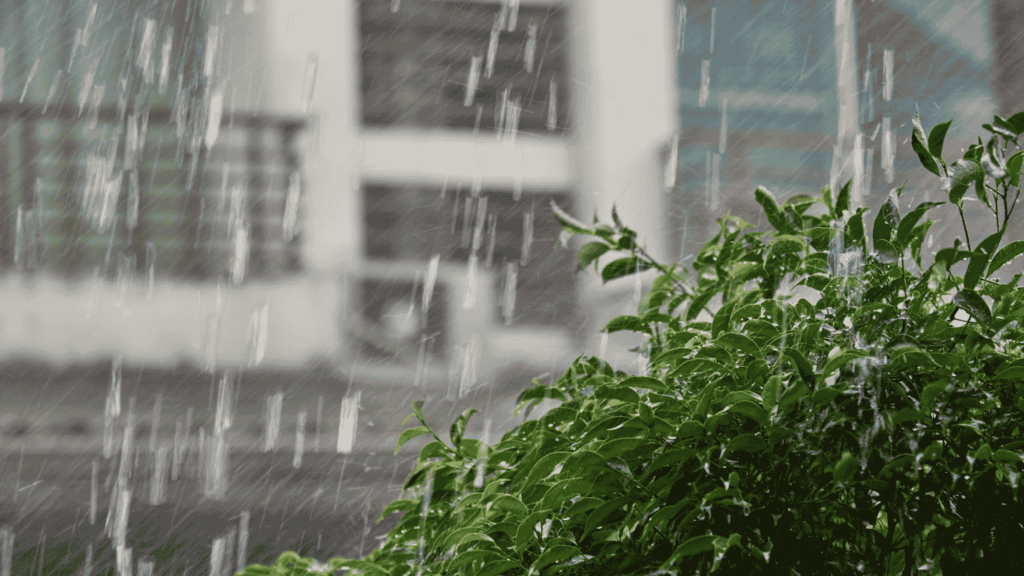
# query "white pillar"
(624, 109)
(849, 158)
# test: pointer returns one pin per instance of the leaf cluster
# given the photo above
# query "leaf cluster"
(872, 429)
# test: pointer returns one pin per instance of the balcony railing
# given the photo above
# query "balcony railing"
(114, 191)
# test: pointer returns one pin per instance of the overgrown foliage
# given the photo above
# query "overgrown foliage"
(874, 431)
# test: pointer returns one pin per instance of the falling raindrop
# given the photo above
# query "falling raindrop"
(492, 227)
(212, 38)
(527, 248)
(473, 81)
(888, 149)
(492, 49)
(28, 81)
(511, 280)
(347, 423)
(428, 284)
(711, 48)
(721, 135)
(681, 28)
(858, 170)
(300, 439)
(274, 405)
(672, 165)
(309, 81)
(531, 47)
(213, 120)
(716, 161)
(705, 83)
(478, 228)
(552, 105)
(3, 59)
(468, 380)
(165, 60)
(145, 60)
(470, 301)
(888, 58)
(466, 218)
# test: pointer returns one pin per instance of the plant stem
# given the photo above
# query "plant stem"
(964, 221)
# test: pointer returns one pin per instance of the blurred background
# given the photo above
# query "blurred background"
(204, 200)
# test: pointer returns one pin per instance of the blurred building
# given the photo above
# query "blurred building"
(259, 185)
(262, 185)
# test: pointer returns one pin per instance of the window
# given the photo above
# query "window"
(469, 65)
(106, 162)
(518, 242)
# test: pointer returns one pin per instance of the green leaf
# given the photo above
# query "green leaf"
(1006, 456)
(843, 200)
(887, 220)
(471, 557)
(801, 363)
(690, 429)
(409, 434)
(623, 267)
(772, 211)
(500, 567)
(936, 137)
(525, 532)
(1005, 255)
(698, 304)
(720, 323)
(433, 449)
(921, 148)
(770, 394)
(620, 393)
(697, 365)
(603, 511)
(845, 468)
(824, 395)
(458, 428)
(933, 390)
(590, 252)
(840, 360)
(545, 466)
(404, 505)
(510, 504)
(906, 226)
(647, 383)
(631, 323)
(956, 193)
(750, 410)
(695, 545)
(747, 443)
(961, 173)
(974, 304)
(908, 415)
(568, 222)
(793, 393)
(1017, 123)
(555, 554)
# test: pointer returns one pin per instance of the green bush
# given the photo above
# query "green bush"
(872, 432)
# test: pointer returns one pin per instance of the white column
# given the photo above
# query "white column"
(849, 154)
(624, 109)
(328, 34)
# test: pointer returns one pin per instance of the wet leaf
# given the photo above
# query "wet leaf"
(921, 148)
(845, 468)
(887, 220)
(568, 222)
(510, 504)
(623, 267)
(770, 394)
(590, 252)
(973, 303)
(631, 323)
(772, 211)
(936, 138)
(750, 410)
(746, 443)
(695, 545)
(409, 434)
(1005, 255)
